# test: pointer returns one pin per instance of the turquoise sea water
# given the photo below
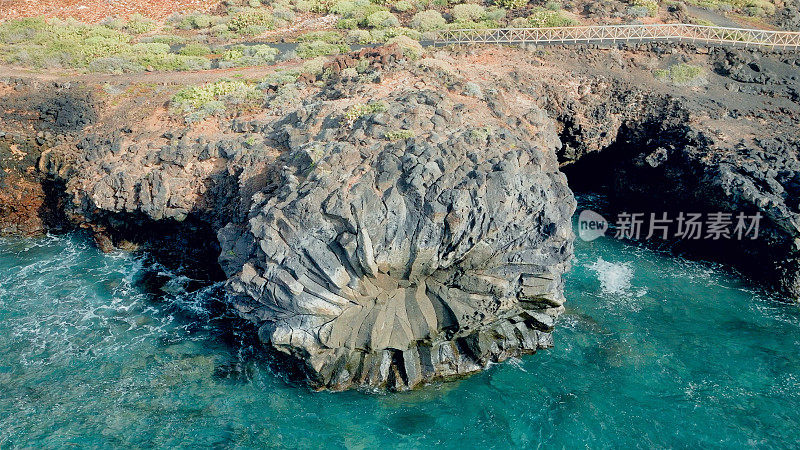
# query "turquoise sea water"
(652, 351)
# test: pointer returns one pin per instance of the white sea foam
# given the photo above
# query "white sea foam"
(615, 278)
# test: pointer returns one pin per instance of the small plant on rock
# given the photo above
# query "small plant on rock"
(360, 110)
(682, 74)
(398, 135)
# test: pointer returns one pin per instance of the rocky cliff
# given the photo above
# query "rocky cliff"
(412, 222)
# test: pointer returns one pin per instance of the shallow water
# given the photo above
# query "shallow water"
(652, 351)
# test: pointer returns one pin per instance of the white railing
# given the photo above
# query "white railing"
(623, 33)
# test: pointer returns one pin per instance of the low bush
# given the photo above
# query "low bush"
(195, 21)
(138, 24)
(286, 96)
(114, 64)
(314, 66)
(308, 50)
(511, 4)
(248, 55)
(195, 49)
(360, 110)
(429, 20)
(402, 6)
(251, 21)
(389, 33)
(473, 90)
(494, 14)
(682, 74)
(279, 78)
(382, 19)
(398, 135)
(411, 48)
(468, 12)
(169, 39)
(359, 37)
(650, 5)
(347, 24)
(344, 8)
(225, 91)
(552, 5)
(542, 18)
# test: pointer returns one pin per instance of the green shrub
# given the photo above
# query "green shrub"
(248, 55)
(287, 96)
(279, 78)
(347, 24)
(411, 48)
(468, 12)
(519, 22)
(228, 91)
(398, 135)
(21, 30)
(114, 64)
(388, 33)
(650, 5)
(195, 49)
(429, 20)
(682, 74)
(222, 31)
(402, 6)
(283, 14)
(151, 48)
(542, 18)
(382, 19)
(552, 5)
(138, 24)
(195, 21)
(168, 62)
(308, 50)
(359, 110)
(314, 66)
(57, 43)
(344, 8)
(251, 21)
(359, 37)
(511, 4)
(494, 14)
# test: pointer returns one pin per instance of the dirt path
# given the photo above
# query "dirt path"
(163, 78)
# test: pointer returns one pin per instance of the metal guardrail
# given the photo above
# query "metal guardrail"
(623, 33)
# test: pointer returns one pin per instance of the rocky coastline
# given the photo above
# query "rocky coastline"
(391, 230)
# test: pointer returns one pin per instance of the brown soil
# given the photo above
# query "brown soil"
(94, 11)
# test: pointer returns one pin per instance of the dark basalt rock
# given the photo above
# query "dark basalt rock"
(391, 264)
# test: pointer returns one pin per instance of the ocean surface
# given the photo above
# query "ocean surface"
(652, 351)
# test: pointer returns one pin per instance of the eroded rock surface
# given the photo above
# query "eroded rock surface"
(393, 263)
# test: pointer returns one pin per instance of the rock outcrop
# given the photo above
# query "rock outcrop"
(388, 264)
